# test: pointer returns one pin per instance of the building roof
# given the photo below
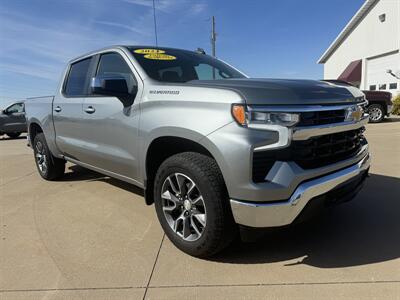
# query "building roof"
(361, 13)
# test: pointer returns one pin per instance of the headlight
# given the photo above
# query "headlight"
(257, 119)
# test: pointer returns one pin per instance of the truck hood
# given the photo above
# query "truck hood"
(286, 91)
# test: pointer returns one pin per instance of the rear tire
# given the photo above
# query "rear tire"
(13, 135)
(192, 204)
(49, 167)
(376, 113)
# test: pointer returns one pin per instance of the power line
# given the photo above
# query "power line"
(155, 21)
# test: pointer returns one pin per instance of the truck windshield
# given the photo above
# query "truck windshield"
(173, 65)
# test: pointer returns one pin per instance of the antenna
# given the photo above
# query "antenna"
(155, 21)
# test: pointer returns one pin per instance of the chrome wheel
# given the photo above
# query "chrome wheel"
(183, 206)
(375, 114)
(41, 158)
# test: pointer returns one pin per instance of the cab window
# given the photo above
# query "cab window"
(15, 108)
(114, 64)
(78, 78)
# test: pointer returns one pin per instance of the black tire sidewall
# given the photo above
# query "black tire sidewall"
(209, 197)
(13, 135)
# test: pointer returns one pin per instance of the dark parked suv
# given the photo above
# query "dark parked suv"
(12, 120)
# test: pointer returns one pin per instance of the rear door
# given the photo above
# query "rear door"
(67, 109)
(110, 129)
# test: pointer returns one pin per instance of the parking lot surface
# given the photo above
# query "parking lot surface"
(88, 236)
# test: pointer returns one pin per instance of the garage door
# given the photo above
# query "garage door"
(377, 76)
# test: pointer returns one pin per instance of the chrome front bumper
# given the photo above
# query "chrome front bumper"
(285, 212)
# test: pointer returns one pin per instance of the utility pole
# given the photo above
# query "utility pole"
(213, 40)
(213, 36)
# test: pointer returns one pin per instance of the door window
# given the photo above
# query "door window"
(114, 64)
(16, 108)
(78, 79)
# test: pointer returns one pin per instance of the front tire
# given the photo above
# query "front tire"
(13, 135)
(192, 204)
(49, 167)
(376, 113)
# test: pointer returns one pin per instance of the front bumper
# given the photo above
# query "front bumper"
(282, 213)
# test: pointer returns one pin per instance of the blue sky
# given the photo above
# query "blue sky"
(263, 38)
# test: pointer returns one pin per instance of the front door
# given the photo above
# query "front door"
(110, 129)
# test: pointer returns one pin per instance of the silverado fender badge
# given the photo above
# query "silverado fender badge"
(164, 92)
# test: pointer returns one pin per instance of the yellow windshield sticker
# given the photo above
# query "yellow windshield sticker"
(159, 56)
(148, 51)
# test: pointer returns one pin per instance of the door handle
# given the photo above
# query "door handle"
(90, 110)
(57, 109)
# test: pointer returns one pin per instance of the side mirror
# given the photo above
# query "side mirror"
(114, 85)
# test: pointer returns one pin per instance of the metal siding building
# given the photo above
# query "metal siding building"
(367, 48)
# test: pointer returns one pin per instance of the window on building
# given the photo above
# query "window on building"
(393, 86)
(382, 86)
(372, 87)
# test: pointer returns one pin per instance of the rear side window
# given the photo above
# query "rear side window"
(78, 79)
(114, 64)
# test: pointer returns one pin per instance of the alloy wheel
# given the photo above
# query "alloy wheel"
(375, 114)
(41, 158)
(183, 206)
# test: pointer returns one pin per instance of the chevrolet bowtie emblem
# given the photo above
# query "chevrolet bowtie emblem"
(354, 113)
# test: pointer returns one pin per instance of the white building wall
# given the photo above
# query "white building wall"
(370, 38)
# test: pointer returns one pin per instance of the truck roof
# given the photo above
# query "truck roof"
(120, 47)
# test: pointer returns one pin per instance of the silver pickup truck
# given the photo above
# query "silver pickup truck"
(212, 148)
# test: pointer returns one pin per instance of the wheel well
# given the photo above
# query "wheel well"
(383, 105)
(162, 148)
(34, 129)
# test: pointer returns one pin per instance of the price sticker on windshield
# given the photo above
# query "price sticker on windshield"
(159, 56)
(149, 51)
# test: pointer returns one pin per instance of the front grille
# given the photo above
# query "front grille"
(312, 118)
(313, 153)
(327, 149)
